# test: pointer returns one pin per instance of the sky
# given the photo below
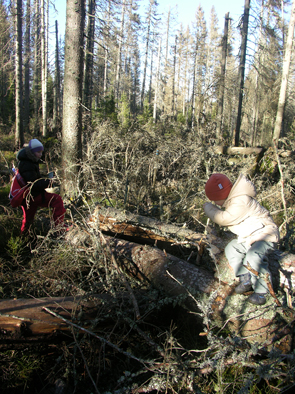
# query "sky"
(186, 10)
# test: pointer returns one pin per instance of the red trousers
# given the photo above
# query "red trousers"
(50, 200)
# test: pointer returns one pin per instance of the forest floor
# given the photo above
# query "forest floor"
(155, 175)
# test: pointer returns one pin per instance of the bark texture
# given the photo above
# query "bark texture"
(72, 99)
(204, 283)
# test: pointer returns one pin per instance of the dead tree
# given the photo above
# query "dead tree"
(202, 282)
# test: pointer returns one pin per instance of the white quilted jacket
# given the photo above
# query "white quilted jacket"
(243, 215)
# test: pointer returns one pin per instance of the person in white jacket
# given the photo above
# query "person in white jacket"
(257, 234)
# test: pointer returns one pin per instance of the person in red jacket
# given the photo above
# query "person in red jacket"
(28, 164)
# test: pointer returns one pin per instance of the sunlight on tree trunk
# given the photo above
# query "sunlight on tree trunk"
(19, 137)
(72, 110)
(285, 75)
(44, 68)
(222, 77)
(242, 69)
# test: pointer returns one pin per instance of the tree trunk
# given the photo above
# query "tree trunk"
(149, 231)
(193, 104)
(165, 76)
(194, 285)
(36, 77)
(56, 97)
(222, 78)
(72, 109)
(285, 75)
(88, 73)
(147, 43)
(242, 70)
(27, 67)
(257, 82)
(197, 283)
(157, 82)
(43, 69)
(119, 53)
(106, 51)
(174, 110)
(237, 150)
(27, 317)
(19, 134)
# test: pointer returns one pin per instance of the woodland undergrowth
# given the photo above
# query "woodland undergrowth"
(156, 173)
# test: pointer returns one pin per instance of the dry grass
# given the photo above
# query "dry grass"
(159, 173)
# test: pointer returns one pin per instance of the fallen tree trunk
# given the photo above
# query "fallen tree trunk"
(197, 288)
(237, 150)
(150, 231)
(176, 277)
(21, 318)
(244, 150)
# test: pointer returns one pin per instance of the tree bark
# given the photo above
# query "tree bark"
(27, 67)
(195, 286)
(72, 108)
(222, 77)
(119, 53)
(157, 83)
(88, 74)
(147, 43)
(37, 61)
(149, 231)
(242, 70)
(106, 49)
(25, 318)
(56, 97)
(43, 69)
(237, 150)
(285, 75)
(19, 133)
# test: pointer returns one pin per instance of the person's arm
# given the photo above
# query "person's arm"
(230, 216)
(30, 175)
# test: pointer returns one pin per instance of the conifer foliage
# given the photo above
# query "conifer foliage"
(136, 56)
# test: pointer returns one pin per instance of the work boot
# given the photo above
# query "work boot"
(245, 284)
(257, 299)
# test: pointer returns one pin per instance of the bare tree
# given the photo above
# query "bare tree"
(88, 73)
(27, 67)
(285, 75)
(19, 134)
(157, 83)
(222, 77)
(106, 47)
(44, 68)
(199, 62)
(6, 63)
(56, 91)
(72, 99)
(242, 69)
(37, 70)
(149, 20)
(119, 53)
(257, 93)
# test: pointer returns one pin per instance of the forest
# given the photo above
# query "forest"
(135, 112)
